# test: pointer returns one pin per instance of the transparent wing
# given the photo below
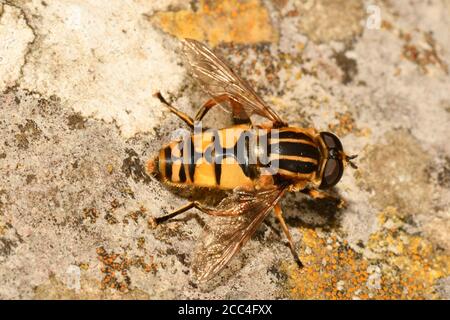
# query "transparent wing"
(238, 217)
(217, 78)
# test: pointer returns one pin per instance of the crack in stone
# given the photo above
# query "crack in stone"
(1, 11)
(30, 44)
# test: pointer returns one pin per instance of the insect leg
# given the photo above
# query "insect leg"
(238, 112)
(319, 194)
(208, 105)
(188, 120)
(279, 215)
(155, 221)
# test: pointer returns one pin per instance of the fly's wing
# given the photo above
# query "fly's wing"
(238, 217)
(217, 78)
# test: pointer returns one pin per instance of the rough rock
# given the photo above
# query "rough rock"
(78, 121)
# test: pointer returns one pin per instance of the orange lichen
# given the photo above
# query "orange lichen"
(225, 21)
(412, 264)
(91, 213)
(346, 124)
(116, 266)
(406, 266)
(332, 271)
(135, 215)
(423, 55)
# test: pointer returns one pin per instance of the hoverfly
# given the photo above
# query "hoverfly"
(226, 162)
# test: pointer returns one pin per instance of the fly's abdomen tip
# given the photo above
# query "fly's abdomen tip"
(152, 167)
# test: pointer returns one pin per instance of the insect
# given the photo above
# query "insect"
(251, 165)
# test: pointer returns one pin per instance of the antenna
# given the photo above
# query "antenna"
(349, 160)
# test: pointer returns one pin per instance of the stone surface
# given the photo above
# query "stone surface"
(78, 121)
(15, 37)
(219, 21)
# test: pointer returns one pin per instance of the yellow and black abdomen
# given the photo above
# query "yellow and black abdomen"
(214, 158)
(236, 157)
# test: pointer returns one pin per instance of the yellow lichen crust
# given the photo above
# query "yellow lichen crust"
(393, 265)
(222, 21)
(411, 264)
(332, 270)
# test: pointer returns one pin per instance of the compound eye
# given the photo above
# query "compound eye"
(332, 173)
(331, 141)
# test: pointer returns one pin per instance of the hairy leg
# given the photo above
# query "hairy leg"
(238, 111)
(279, 215)
(319, 194)
(188, 120)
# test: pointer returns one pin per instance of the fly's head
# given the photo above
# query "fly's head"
(334, 160)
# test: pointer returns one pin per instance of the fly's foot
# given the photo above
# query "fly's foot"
(299, 262)
(342, 204)
(320, 194)
(152, 223)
